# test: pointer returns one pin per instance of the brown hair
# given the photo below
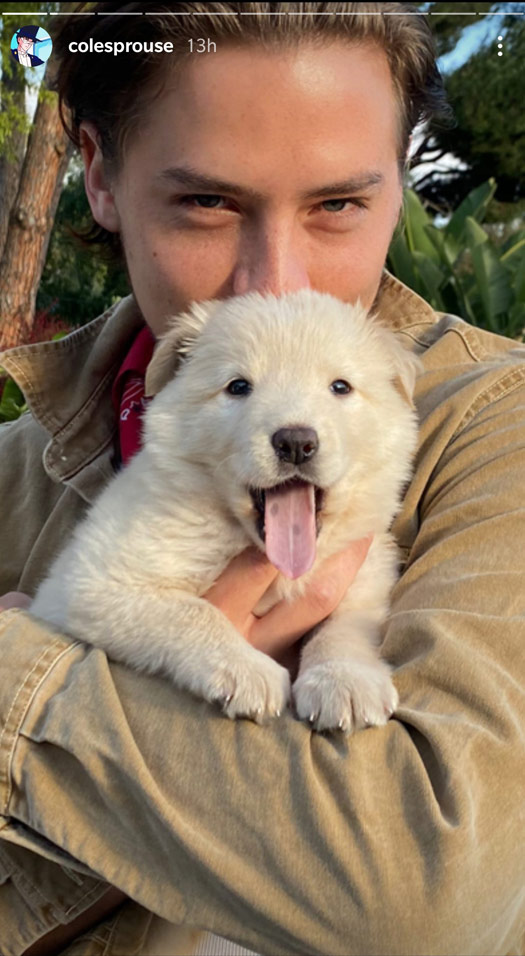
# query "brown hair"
(114, 92)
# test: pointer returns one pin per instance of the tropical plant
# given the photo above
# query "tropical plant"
(459, 268)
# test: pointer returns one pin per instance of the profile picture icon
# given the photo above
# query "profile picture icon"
(31, 46)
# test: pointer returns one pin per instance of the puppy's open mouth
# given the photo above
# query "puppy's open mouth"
(288, 521)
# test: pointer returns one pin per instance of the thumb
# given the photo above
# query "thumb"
(241, 585)
(288, 621)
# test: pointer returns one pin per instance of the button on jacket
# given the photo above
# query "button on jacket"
(400, 839)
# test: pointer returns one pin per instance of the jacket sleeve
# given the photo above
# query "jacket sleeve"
(37, 513)
(21, 446)
(403, 839)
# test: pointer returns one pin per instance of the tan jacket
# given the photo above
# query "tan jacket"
(401, 839)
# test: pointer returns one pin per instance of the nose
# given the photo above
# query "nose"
(295, 445)
(270, 261)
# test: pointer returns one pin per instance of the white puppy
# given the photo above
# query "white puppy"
(281, 422)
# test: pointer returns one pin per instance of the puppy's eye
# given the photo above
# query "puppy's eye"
(239, 386)
(341, 387)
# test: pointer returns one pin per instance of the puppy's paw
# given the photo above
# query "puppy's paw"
(345, 695)
(254, 686)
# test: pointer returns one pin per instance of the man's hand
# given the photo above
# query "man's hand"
(241, 585)
(14, 599)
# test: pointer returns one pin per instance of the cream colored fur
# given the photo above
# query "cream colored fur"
(131, 578)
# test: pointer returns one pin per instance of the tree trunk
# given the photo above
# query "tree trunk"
(31, 220)
(12, 157)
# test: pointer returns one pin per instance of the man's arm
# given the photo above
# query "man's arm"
(59, 937)
(402, 839)
(37, 513)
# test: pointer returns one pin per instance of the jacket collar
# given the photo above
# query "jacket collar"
(67, 383)
(67, 386)
(398, 306)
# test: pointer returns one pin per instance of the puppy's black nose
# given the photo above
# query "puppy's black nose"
(295, 444)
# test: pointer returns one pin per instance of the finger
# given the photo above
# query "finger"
(241, 585)
(14, 599)
(288, 622)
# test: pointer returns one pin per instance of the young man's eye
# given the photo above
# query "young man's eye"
(210, 202)
(190, 200)
(360, 203)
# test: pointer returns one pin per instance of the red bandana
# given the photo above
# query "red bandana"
(128, 394)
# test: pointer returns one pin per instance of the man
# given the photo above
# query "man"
(24, 54)
(399, 839)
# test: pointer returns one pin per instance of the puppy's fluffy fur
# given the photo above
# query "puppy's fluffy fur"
(130, 581)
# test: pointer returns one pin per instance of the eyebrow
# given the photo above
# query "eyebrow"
(192, 178)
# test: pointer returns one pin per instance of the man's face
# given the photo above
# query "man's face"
(279, 125)
(23, 44)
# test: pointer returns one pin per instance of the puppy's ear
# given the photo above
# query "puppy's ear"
(176, 344)
(407, 366)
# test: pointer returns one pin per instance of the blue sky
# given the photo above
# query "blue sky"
(480, 32)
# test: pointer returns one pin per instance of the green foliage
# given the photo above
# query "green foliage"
(492, 124)
(47, 96)
(486, 93)
(458, 268)
(11, 118)
(76, 285)
(12, 402)
(449, 30)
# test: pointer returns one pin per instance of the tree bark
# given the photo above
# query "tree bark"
(31, 220)
(12, 157)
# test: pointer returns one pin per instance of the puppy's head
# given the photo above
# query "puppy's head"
(298, 408)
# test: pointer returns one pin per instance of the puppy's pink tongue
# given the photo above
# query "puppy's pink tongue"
(289, 521)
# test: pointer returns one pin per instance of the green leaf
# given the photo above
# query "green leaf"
(432, 275)
(515, 252)
(401, 262)
(12, 392)
(518, 279)
(473, 206)
(9, 410)
(416, 220)
(475, 234)
(492, 279)
(449, 250)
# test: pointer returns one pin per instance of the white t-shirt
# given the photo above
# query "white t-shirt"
(24, 58)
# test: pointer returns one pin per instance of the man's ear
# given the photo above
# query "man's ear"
(96, 181)
(176, 344)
